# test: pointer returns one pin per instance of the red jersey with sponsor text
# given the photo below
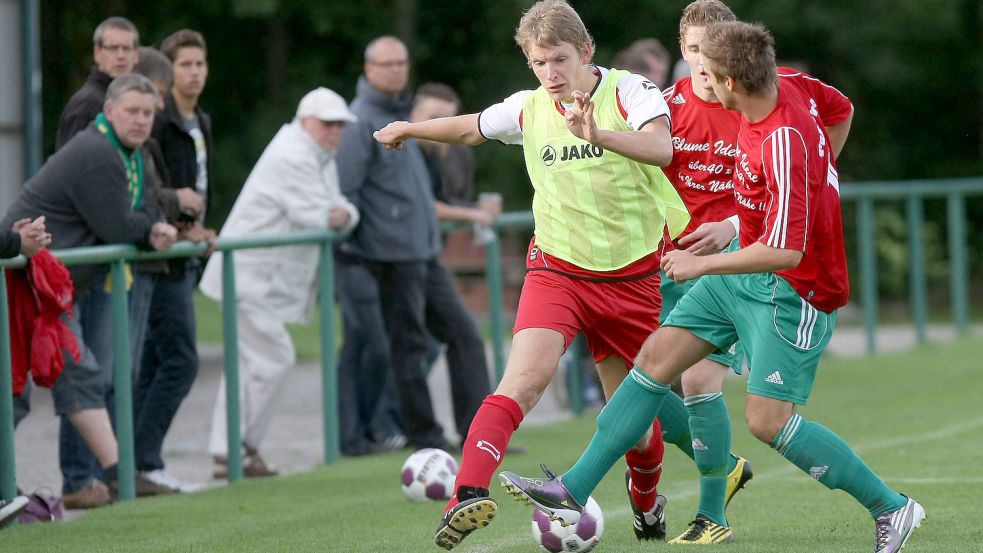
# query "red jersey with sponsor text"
(704, 136)
(788, 197)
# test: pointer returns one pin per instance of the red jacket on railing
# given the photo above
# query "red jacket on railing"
(38, 295)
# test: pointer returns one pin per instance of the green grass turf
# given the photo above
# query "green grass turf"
(916, 418)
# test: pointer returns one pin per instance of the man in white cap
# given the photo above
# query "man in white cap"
(293, 187)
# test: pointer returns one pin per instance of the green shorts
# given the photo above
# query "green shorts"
(671, 294)
(781, 335)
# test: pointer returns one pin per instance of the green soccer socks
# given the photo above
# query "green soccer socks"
(709, 424)
(827, 458)
(622, 422)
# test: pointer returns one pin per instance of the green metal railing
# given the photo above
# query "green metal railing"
(864, 194)
(117, 256)
(914, 194)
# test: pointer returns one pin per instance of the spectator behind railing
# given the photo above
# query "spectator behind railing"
(174, 202)
(294, 186)
(451, 169)
(114, 50)
(170, 356)
(89, 197)
(396, 236)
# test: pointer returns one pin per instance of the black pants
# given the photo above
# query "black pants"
(365, 410)
(402, 297)
(449, 321)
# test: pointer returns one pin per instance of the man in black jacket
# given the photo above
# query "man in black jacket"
(114, 49)
(170, 355)
(90, 197)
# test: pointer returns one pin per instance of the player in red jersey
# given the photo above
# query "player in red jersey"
(704, 138)
(779, 292)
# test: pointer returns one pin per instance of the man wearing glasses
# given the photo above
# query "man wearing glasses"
(114, 49)
(392, 244)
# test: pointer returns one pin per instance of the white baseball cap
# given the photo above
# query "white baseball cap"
(326, 105)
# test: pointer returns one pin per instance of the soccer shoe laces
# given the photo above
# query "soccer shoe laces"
(550, 474)
(882, 531)
(696, 529)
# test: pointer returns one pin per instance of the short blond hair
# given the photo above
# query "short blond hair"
(702, 13)
(742, 51)
(550, 22)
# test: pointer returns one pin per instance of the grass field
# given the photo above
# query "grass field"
(916, 418)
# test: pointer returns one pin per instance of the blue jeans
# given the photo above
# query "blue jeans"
(168, 366)
(363, 363)
(78, 464)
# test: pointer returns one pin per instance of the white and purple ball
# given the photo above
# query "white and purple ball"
(581, 537)
(429, 474)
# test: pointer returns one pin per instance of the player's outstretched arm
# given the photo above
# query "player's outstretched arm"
(462, 129)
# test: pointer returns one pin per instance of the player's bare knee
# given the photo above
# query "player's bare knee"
(648, 358)
(525, 388)
(764, 426)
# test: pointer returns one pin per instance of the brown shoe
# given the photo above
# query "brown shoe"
(147, 487)
(253, 466)
(93, 494)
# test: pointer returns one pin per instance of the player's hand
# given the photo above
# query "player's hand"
(681, 266)
(162, 236)
(580, 117)
(392, 135)
(338, 217)
(709, 238)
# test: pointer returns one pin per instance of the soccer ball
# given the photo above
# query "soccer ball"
(429, 474)
(581, 537)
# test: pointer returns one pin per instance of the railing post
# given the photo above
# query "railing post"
(231, 348)
(868, 269)
(493, 275)
(123, 381)
(916, 247)
(957, 261)
(329, 366)
(8, 468)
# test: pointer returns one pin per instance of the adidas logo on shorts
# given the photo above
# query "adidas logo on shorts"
(775, 378)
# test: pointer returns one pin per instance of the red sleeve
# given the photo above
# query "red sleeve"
(833, 106)
(785, 162)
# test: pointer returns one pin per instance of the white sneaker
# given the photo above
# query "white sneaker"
(163, 478)
(12, 508)
(892, 530)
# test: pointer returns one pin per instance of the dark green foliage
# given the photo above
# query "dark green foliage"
(912, 68)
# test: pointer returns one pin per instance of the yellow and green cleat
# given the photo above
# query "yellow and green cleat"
(737, 478)
(464, 518)
(704, 531)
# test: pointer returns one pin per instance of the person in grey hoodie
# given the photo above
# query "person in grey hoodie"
(397, 236)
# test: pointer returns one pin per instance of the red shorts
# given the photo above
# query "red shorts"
(616, 310)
